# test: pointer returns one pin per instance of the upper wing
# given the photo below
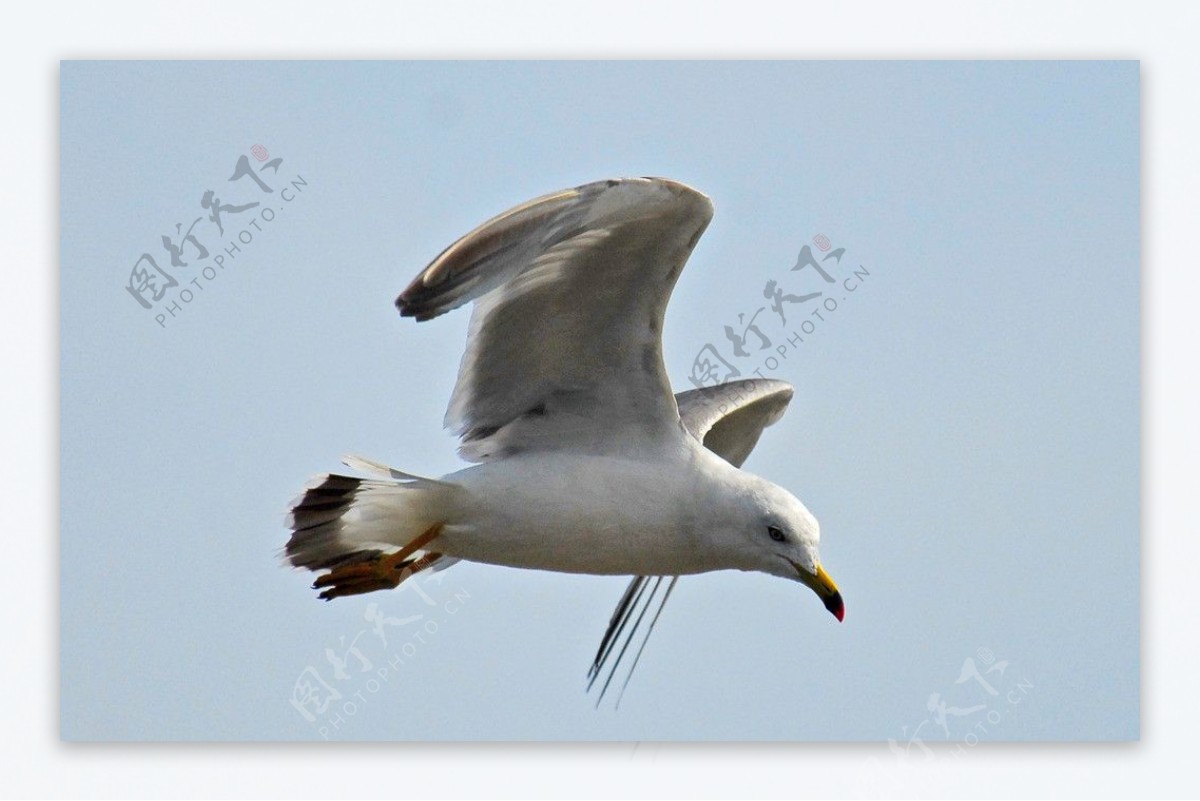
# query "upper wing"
(570, 289)
(728, 419)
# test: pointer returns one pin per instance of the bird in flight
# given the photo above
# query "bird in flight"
(585, 461)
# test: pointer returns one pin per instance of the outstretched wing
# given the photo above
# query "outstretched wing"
(728, 419)
(564, 348)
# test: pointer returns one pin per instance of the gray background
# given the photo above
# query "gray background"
(965, 426)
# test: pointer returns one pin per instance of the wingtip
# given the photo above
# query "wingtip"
(410, 307)
(405, 306)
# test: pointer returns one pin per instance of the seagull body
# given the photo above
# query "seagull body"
(557, 512)
(603, 514)
(586, 462)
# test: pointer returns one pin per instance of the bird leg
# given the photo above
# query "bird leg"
(378, 571)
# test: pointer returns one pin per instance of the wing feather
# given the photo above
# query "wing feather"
(729, 418)
(564, 347)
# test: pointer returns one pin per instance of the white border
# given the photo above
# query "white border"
(1162, 36)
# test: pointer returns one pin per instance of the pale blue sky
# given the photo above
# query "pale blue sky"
(965, 425)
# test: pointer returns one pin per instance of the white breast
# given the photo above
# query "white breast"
(583, 514)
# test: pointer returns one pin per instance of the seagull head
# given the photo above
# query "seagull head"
(782, 538)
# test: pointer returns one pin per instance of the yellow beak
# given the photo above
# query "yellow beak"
(825, 589)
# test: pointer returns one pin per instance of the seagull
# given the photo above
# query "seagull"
(584, 460)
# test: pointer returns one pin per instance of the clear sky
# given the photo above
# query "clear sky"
(965, 424)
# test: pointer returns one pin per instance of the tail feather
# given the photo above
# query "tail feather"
(340, 520)
(379, 469)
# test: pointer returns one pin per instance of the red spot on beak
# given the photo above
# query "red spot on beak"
(834, 604)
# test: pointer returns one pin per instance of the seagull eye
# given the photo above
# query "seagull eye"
(776, 533)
